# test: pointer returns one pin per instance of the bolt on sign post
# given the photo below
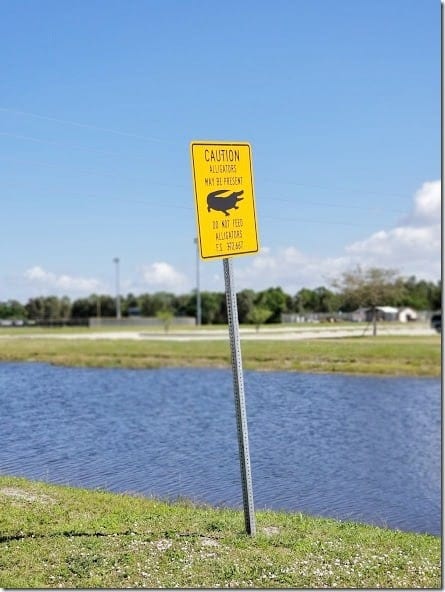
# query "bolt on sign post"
(226, 222)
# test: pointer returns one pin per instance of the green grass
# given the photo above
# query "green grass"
(385, 355)
(382, 355)
(53, 536)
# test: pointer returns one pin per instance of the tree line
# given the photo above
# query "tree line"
(373, 287)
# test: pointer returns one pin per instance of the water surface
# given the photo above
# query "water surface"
(359, 448)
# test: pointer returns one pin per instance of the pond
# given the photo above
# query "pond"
(355, 448)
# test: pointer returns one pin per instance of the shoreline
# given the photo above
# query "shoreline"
(68, 537)
(385, 355)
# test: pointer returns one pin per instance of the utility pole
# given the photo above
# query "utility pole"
(118, 298)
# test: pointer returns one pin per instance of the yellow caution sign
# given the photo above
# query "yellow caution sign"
(224, 199)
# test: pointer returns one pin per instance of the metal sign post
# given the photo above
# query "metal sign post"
(240, 403)
(226, 222)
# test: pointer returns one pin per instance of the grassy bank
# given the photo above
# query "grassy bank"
(53, 536)
(384, 355)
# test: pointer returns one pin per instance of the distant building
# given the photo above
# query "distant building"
(358, 316)
(407, 314)
(404, 314)
(384, 313)
(366, 315)
(391, 313)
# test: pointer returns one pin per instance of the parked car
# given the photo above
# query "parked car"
(436, 321)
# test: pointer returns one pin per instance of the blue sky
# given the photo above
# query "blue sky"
(100, 100)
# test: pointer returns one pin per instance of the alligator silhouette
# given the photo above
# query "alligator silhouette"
(219, 203)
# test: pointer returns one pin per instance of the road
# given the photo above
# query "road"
(265, 333)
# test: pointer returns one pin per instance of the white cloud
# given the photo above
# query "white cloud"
(413, 248)
(48, 281)
(427, 203)
(163, 276)
(288, 268)
(401, 243)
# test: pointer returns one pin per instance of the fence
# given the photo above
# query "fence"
(137, 321)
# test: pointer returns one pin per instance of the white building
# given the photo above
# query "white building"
(407, 314)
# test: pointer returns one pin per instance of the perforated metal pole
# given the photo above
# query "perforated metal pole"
(198, 289)
(240, 403)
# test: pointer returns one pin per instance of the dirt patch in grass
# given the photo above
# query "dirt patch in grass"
(27, 496)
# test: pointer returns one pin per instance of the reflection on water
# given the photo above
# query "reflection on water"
(356, 448)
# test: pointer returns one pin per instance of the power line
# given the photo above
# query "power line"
(339, 189)
(69, 146)
(129, 201)
(186, 187)
(85, 125)
(340, 205)
(297, 202)
(158, 140)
